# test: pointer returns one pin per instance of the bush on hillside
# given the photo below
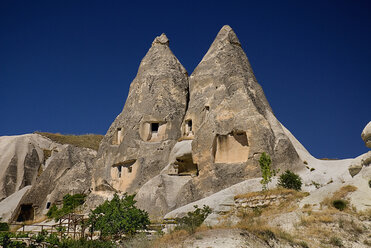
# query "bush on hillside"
(70, 203)
(290, 180)
(118, 216)
(193, 219)
(339, 204)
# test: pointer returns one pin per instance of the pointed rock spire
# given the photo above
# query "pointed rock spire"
(162, 40)
(143, 134)
(227, 35)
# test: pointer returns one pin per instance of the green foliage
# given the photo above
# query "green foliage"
(266, 170)
(70, 203)
(118, 216)
(193, 219)
(4, 227)
(52, 213)
(339, 204)
(5, 241)
(290, 180)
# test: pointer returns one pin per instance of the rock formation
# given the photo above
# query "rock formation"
(221, 129)
(138, 143)
(22, 158)
(366, 135)
(69, 172)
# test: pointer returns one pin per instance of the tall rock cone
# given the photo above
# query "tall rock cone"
(232, 121)
(138, 143)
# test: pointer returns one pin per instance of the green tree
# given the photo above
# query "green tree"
(193, 219)
(290, 180)
(266, 170)
(118, 216)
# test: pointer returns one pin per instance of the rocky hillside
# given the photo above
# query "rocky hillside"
(185, 140)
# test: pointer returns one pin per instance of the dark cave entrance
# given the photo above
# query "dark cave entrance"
(26, 212)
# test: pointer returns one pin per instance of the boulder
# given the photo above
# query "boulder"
(366, 135)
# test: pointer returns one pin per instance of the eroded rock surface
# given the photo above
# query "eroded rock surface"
(366, 135)
(22, 158)
(232, 121)
(69, 172)
(184, 148)
(136, 147)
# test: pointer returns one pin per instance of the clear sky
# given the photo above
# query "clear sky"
(66, 66)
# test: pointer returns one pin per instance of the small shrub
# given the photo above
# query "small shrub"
(317, 185)
(4, 227)
(52, 211)
(193, 219)
(312, 169)
(290, 180)
(336, 241)
(339, 204)
(303, 244)
(369, 183)
(70, 203)
(305, 162)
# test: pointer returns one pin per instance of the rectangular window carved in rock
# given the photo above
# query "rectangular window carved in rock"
(153, 131)
(231, 148)
(118, 136)
(154, 127)
(119, 170)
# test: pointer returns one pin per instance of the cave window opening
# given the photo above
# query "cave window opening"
(130, 169)
(48, 205)
(207, 108)
(154, 127)
(119, 169)
(188, 128)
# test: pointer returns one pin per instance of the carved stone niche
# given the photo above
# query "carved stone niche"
(231, 148)
(153, 131)
(123, 174)
(118, 136)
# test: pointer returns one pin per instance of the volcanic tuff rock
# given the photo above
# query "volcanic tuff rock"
(21, 159)
(69, 172)
(366, 135)
(137, 145)
(222, 129)
(232, 119)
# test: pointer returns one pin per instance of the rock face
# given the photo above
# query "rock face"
(22, 158)
(69, 172)
(366, 135)
(172, 149)
(137, 145)
(233, 123)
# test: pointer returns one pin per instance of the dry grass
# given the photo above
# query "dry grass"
(341, 194)
(171, 239)
(87, 140)
(277, 191)
(287, 204)
(325, 216)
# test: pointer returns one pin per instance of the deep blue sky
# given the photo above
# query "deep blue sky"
(66, 66)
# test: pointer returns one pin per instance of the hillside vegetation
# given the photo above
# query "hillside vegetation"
(86, 140)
